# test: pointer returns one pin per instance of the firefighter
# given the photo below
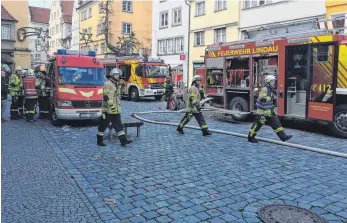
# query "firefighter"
(31, 95)
(168, 92)
(43, 93)
(193, 108)
(21, 95)
(111, 108)
(15, 87)
(266, 115)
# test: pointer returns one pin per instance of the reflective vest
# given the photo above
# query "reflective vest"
(194, 94)
(111, 98)
(265, 107)
(30, 87)
(14, 85)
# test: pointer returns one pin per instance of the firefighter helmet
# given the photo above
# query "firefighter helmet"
(30, 73)
(18, 69)
(269, 78)
(116, 71)
(197, 78)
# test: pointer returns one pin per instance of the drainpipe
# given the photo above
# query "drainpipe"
(187, 3)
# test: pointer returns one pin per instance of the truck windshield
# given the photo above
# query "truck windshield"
(81, 75)
(156, 71)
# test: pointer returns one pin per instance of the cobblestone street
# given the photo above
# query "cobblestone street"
(58, 174)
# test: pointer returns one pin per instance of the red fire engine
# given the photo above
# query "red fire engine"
(143, 78)
(311, 71)
(76, 80)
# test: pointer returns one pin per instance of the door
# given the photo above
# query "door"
(322, 68)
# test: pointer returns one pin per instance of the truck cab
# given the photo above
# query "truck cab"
(76, 79)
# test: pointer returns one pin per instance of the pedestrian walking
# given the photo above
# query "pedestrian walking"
(193, 108)
(168, 92)
(111, 108)
(266, 115)
(4, 92)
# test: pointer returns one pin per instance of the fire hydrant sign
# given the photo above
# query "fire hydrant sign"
(182, 57)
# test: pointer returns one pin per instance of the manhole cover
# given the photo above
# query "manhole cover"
(280, 213)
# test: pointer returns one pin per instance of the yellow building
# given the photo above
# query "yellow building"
(336, 8)
(127, 17)
(19, 10)
(210, 22)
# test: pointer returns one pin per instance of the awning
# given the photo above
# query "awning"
(5, 58)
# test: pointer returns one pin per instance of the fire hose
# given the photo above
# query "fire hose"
(292, 145)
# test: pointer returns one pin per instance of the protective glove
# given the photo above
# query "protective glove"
(198, 107)
(122, 82)
(13, 85)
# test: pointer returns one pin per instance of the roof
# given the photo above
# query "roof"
(67, 8)
(39, 15)
(5, 15)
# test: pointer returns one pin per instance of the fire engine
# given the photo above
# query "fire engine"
(143, 77)
(311, 71)
(76, 79)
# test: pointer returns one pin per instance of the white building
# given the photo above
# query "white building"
(75, 41)
(39, 46)
(60, 24)
(266, 18)
(170, 34)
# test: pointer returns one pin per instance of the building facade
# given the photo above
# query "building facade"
(128, 17)
(60, 28)
(267, 18)
(212, 22)
(18, 10)
(8, 37)
(170, 35)
(75, 32)
(337, 10)
(39, 20)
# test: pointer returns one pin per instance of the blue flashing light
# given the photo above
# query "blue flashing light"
(92, 53)
(61, 52)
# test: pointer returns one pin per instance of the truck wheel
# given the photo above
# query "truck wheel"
(54, 118)
(239, 104)
(158, 97)
(134, 94)
(339, 126)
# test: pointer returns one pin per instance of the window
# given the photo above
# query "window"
(179, 45)
(96, 49)
(37, 57)
(127, 6)
(200, 8)
(5, 32)
(177, 17)
(103, 49)
(127, 28)
(38, 42)
(127, 48)
(254, 3)
(161, 47)
(170, 46)
(84, 15)
(101, 7)
(90, 30)
(90, 12)
(220, 35)
(164, 17)
(57, 29)
(220, 5)
(199, 38)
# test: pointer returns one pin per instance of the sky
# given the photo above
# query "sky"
(40, 3)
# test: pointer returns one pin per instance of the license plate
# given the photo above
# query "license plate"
(88, 115)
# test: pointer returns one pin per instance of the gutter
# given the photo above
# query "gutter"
(188, 51)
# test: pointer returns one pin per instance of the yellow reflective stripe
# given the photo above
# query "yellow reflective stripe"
(120, 133)
(278, 130)
(203, 127)
(67, 90)
(100, 133)
(100, 91)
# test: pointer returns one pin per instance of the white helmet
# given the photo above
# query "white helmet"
(30, 73)
(18, 69)
(197, 78)
(116, 71)
(269, 78)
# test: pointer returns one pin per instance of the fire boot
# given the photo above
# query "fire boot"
(123, 140)
(252, 139)
(100, 140)
(283, 136)
(205, 132)
(128, 140)
(180, 130)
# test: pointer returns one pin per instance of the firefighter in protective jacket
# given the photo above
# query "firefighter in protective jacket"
(15, 88)
(111, 108)
(193, 108)
(30, 93)
(266, 115)
(43, 92)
